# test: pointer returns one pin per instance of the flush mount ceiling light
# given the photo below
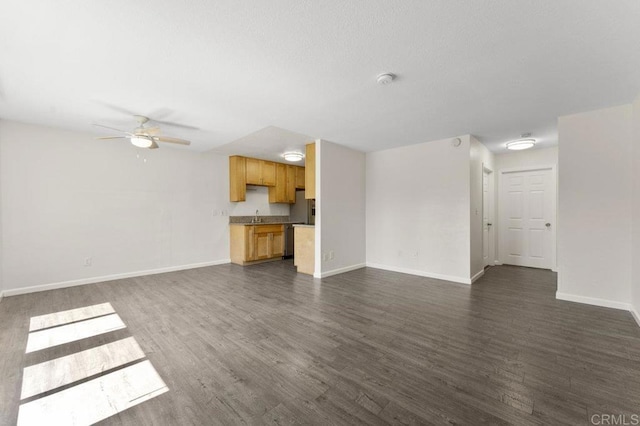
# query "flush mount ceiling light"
(141, 141)
(525, 142)
(293, 156)
(521, 144)
(385, 78)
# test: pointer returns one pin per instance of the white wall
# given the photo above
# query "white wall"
(340, 199)
(595, 196)
(480, 158)
(635, 301)
(67, 197)
(527, 158)
(418, 200)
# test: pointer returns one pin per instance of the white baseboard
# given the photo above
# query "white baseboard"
(497, 263)
(339, 271)
(94, 280)
(593, 301)
(477, 276)
(635, 315)
(460, 280)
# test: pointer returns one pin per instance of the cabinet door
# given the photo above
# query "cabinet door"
(299, 177)
(268, 173)
(253, 171)
(278, 193)
(291, 184)
(237, 183)
(262, 246)
(277, 244)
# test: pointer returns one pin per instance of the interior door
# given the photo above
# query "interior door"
(527, 218)
(486, 218)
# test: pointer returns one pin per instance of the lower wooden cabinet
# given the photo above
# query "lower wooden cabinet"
(253, 243)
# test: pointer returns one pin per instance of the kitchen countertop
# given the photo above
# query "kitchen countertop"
(302, 225)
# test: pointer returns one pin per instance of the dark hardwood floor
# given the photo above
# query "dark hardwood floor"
(262, 344)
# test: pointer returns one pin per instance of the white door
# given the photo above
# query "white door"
(487, 200)
(527, 218)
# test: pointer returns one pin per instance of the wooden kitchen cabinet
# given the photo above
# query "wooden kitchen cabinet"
(291, 184)
(299, 177)
(285, 189)
(282, 179)
(237, 182)
(260, 172)
(255, 243)
(254, 171)
(310, 172)
(278, 193)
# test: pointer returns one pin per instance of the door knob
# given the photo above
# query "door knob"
(489, 224)
(548, 225)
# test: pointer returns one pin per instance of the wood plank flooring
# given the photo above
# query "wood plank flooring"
(264, 345)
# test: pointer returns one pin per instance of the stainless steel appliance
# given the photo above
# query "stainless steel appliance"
(311, 212)
(288, 241)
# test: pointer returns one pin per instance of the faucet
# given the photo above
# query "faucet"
(256, 219)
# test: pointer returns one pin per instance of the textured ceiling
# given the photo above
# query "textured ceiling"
(494, 69)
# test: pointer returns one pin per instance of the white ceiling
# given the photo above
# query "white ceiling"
(229, 68)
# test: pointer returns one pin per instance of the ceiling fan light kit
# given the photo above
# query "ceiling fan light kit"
(141, 141)
(293, 156)
(143, 137)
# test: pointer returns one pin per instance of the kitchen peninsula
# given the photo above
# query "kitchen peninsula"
(304, 248)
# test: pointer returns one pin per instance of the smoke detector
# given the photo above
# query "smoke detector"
(385, 78)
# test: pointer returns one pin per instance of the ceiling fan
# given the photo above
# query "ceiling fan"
(143, 137)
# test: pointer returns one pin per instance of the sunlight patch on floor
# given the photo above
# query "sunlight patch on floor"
(55, 336)
(73, 315)
(95, 400)
(130, 379)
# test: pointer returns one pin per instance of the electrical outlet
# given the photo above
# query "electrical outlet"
(88, 261)
(330, 254)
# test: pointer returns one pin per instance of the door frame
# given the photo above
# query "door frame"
(490, 216)
(554, 228)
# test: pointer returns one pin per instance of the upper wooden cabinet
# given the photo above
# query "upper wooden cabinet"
(299, 177)
(310, 172)
(285, 189)
(278, 193)
(260, 172)
(291, 184)
(282, 179)
(237, 178)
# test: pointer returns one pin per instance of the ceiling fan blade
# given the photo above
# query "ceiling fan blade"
(113, 137)
(154, 145)
(171, 140)
(111, 128)
(148, 130)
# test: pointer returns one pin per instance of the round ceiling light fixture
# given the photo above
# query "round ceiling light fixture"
(293, 156)
(385, 78)
(141, 141)
(521, 144)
